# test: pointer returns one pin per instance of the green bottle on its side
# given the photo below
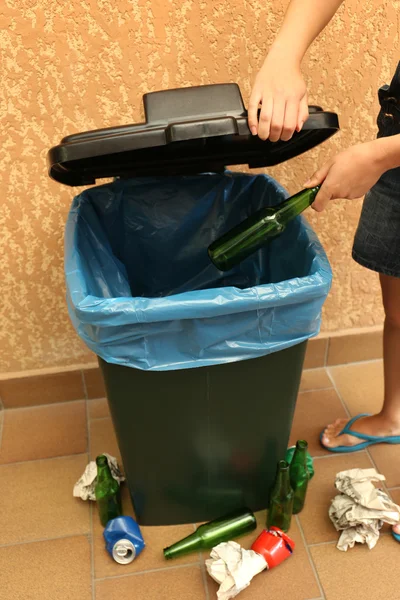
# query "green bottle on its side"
(253, 233)
(213, 533)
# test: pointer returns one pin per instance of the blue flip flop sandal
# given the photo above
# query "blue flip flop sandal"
(396, 536)
(367, 440)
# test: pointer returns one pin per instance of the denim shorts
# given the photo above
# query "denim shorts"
(377, 240)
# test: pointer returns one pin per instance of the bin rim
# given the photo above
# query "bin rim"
(220, 301)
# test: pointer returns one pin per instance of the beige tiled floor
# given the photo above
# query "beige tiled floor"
(51, 544)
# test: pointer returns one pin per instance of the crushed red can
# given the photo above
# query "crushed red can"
(274, 546)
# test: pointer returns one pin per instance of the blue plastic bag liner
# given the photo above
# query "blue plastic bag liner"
(143, 293)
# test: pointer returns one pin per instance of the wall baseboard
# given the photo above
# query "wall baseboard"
(63, 384)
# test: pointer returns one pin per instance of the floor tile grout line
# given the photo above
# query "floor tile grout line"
(91, 542)
(328, 343)
(331, 543)
(336, 454)
(159, 570)
(204, 576)
(2, 407)
(317, 544)
(315, 368)
(33, 460)
(332, 455)
(373, 461)
(35, 406)
(1, 427)
(84, 384)
(87, 429)
(338, 394)
(314, 545)
(324, 389)
(355, 362)
(97, 398)
(310, 558)
(203, 570)
(49, 539)
(323, 367)
(99, 418)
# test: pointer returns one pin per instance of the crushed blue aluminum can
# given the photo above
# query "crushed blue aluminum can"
(124, 541)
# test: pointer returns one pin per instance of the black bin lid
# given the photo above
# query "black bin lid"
(187, 131)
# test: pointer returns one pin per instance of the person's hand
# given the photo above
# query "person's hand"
(282, 92)
(349, 175)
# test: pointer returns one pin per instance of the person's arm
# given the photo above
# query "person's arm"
(279, 85)
(352, 173)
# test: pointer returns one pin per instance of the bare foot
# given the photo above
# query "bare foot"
(377, 425)
(396, 529)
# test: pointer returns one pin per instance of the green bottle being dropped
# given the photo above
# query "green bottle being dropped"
(299, 475)
(253, 233)
(213, 533)
(281, 500)
(107, 492)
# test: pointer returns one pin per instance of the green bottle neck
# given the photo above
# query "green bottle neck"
(299, 473)
(191, 543)
(300, 454)
(103, 470)
(295, 205)
(282, 484)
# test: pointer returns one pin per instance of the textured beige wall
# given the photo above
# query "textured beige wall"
(69, 66)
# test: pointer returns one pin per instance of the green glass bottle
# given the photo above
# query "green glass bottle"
(310, 461)
(107, 492)
(213, 533)
(253, 233)
(299, 475)
(281, 500)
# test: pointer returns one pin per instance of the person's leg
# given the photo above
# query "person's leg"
(377, 247)
(387, 421)
(391, 351)
(391, 347)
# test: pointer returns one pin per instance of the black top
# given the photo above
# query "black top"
(187, 131)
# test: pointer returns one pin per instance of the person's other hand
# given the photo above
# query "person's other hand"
(350, 174)
(282, 92)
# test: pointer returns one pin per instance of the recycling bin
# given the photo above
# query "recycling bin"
(202, 368)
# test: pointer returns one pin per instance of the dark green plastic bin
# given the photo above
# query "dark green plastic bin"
(196, 440)
(199, 442)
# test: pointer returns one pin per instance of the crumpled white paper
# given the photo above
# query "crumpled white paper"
(361, 509)
(233, 567)
(84, 487)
